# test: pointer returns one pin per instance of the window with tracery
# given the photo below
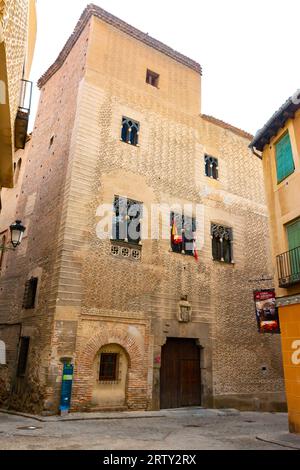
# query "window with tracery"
(222, 243)
(130, 131)
(211, 167)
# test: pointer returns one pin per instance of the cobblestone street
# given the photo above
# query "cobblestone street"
(185, 429)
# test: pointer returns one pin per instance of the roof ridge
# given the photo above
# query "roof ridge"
(228, 126)
(94, 10)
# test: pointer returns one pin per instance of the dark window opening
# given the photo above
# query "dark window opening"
(51, 141)
(183, 234)
(2, 250)
(127, 220)
(30, 293)
(108, 367)
(130, 131)
(211, 167)
(23, 356)
(152, 78)
(17, 170)
(222, 243)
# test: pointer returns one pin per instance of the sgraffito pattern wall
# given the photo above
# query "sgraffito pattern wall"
(87, 295)
(14, 21)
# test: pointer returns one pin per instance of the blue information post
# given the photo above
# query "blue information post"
(66, 387)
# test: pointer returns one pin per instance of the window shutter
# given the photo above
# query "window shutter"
(284, 158)
(293, 231)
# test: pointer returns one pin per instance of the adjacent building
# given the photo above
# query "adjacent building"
(278, 144)
(17, 40)
(151, 304)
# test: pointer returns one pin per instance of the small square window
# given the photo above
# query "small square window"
(152, 78)
(108, 367)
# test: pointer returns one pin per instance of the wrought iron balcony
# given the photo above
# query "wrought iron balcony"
(288, 266)
(22, 119)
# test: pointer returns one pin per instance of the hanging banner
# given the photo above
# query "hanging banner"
(266, 311)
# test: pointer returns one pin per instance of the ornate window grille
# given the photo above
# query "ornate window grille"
(127, 220)
(222, 243)
(130, 131)
(108, 367)
(211, 167)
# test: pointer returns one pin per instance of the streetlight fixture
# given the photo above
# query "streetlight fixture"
(17, 231)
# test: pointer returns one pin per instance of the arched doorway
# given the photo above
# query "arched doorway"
(180, 377)
(110, 369)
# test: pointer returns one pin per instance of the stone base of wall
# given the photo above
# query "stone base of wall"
(266, 402)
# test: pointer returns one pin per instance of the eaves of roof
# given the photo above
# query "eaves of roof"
(277, 122)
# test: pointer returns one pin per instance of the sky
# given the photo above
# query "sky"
(248, 48)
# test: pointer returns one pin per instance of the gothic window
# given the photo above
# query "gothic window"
(183, 234)
(30, 293)
(108, 367)
(23, 356)
(222, 243)
(152, 78)
(130, 131)
(211, 167)
(127, 220)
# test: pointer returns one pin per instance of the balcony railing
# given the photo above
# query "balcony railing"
(22, 119)
(288, 266)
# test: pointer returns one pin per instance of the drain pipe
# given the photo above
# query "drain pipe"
(255, 153)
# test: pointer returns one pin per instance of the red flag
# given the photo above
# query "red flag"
(176, 239)
(195, 251)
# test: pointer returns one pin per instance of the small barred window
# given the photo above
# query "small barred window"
(211, 167)
(108, 367)
(130, 131)
(30, 293)
(152, 78)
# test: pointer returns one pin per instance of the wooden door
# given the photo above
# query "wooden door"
(180, 380)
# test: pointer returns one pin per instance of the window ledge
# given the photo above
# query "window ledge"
(232, 263)
(131, 145)
(109, 382)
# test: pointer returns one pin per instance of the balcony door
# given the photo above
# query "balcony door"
(293, 234)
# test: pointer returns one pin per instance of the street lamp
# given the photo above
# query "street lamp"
(17, 231)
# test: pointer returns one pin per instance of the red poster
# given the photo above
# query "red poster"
(266, 311)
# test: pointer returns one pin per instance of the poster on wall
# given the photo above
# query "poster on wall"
(266, 311)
